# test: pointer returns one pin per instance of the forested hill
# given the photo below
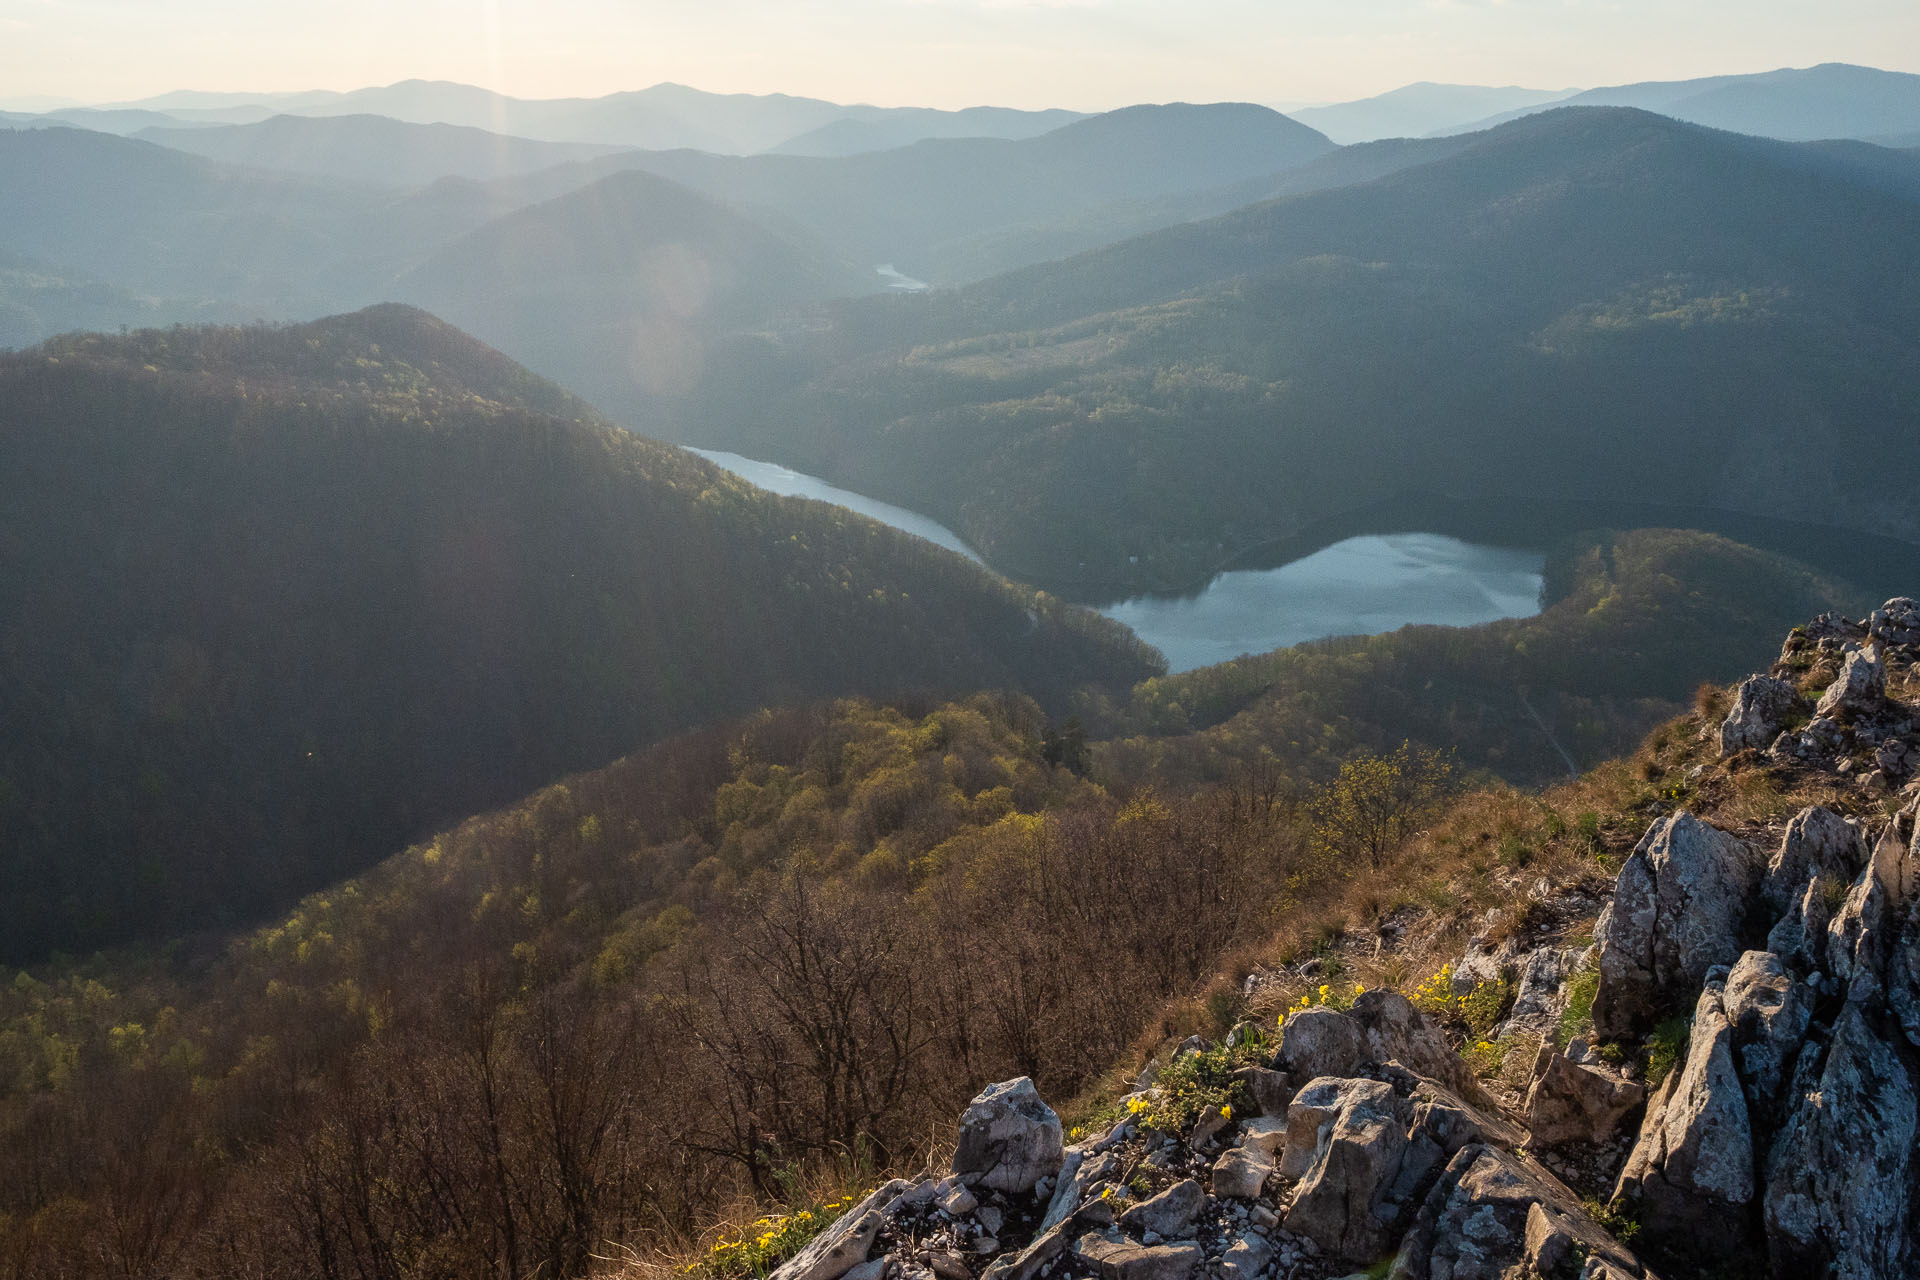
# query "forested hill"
(280, 599)
(1591, 304)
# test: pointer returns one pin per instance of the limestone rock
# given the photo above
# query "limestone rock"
(1897, 622)
(1320, 1042)
(1265, 1134)
(1838, 1179)
(1341, 1203)
(1860, 937)
(1691, 1172)
(1398, 1032)
(1819, 843)
(1241, 1173)
(1315, 1108)
(1118, 1258)
(1009, 1137)
(1247, 1258)
(1760, 709)
(1271, 1090)
(1489, 1212)
(1079, 1172)
(844, 1245)
(1861, 687)
(1169, 1214)
(1571, 1103)
(1675, 913)
(1768, 1013)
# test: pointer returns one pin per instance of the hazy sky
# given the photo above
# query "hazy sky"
(1088, 54)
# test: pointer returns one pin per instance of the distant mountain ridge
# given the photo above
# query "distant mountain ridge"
(1832, 100)
(1419, 110)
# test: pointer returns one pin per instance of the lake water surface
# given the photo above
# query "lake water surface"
(1358, 586)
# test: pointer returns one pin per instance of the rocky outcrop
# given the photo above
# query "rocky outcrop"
(1692, 1169)
(1760, 710)
(1009, 1138)
(1860, 690)
(1569, 1102)
(1320, 1042)
(1676, 912)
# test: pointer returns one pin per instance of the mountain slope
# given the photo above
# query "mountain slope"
(1592, 305)
(878, 129)
(281, 598)
(365, 148)
(616, 289)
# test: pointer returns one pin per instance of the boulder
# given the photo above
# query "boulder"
(1676, 912)
(1760, 710)
(1247, 1257)
(1690, 1175)
(1490, 1213)
(1271, 1091)
(1315, 1108)
(1860, 937)
(1265, 1134)
(1343, 1203)
(1768, 1012)
(1860, 689)
(1799, 937)
(1398, 1032)
(1171, 1214)
(1032, 1260)
(1080, 1171)
(1009, 1137)
(844, 1245)
(1571, 1103)
(1839, 1176)
(1320, 1042)
(1819, 844)
(1897, 622)
(1118, 1258)
(1241, 1173)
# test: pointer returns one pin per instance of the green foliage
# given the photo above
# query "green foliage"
(1202, 1081)
(1666, 1047)
(1577, 1017)
(1376, 802)
(1616, 1218)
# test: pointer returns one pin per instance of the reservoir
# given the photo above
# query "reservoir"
(1358, 586)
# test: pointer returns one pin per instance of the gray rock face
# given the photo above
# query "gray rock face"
(1320, 1042)
(1572, 1103)
(1009, 1137)
(1768, 1012)
(1315, 1108)
(1760, 710)
(1478, 1223)
(1860, 937)
(1118, 1258)
(1819, 844)
(1676, 912)
(1691, 1172)
(1170, 1214)
(1340, 1200)
(1271, 1090)
(1247, 1258)
(1861, 688)
(1398, 1032)
(1838, 1177)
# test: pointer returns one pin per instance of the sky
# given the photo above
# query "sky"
(1082, 54)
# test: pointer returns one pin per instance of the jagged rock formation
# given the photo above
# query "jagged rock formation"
(1780, 1144)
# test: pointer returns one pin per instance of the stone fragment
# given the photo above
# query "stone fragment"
(1398, 1032)
(1691, 1172)
(1479, 1222)
(1009, 1137)
(1270, 1090)
(1839, 1175)
(1760, 710)
(1571, 1103)
(1860, 936)
(1676, 912)
(1320, 1042)
(960, 1201)
(1897, 622)
(1265, 1134)
(871, 1269)
(1170, 1214)
(1119, 1258)
(1211, 1124)
(1247, 1257)
(1077, 1175)
(1241, 1173)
